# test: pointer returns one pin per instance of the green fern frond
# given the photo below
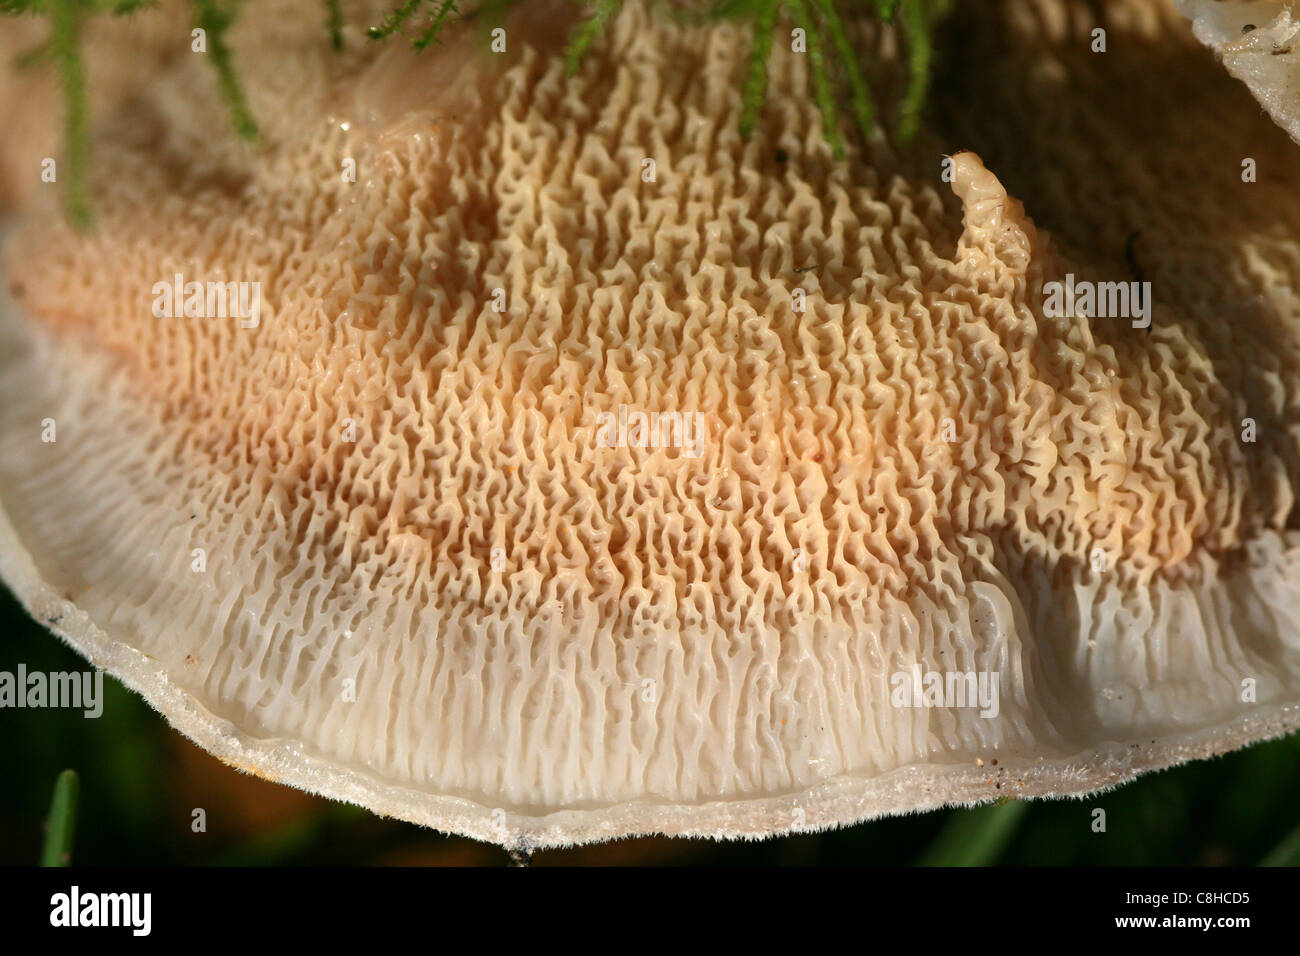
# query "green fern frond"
(334, 24)
(587, 32)
(822, 89)
(825, 28)
(754, 90)
(430, 35)
(65, 45)
(395, 20)
(402, 14)
(917, 23)
(833, 61)
(859, 94)
(67, 19)
(215, 18)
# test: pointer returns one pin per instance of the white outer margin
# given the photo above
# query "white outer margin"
(844, 801)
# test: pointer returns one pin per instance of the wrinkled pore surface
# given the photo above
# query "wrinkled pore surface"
(383, 524)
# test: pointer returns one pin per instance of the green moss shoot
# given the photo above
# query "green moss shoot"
(833, 61)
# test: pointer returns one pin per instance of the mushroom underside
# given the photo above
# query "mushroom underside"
(1258, 42)
(907, 537)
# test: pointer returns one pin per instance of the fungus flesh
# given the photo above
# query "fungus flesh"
(543, 495)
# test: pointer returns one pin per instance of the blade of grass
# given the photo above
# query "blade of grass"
(975, 837)
(61, 825)
(1286, 853)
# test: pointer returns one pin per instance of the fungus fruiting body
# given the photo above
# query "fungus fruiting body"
(590, 468)
(1259, 43)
